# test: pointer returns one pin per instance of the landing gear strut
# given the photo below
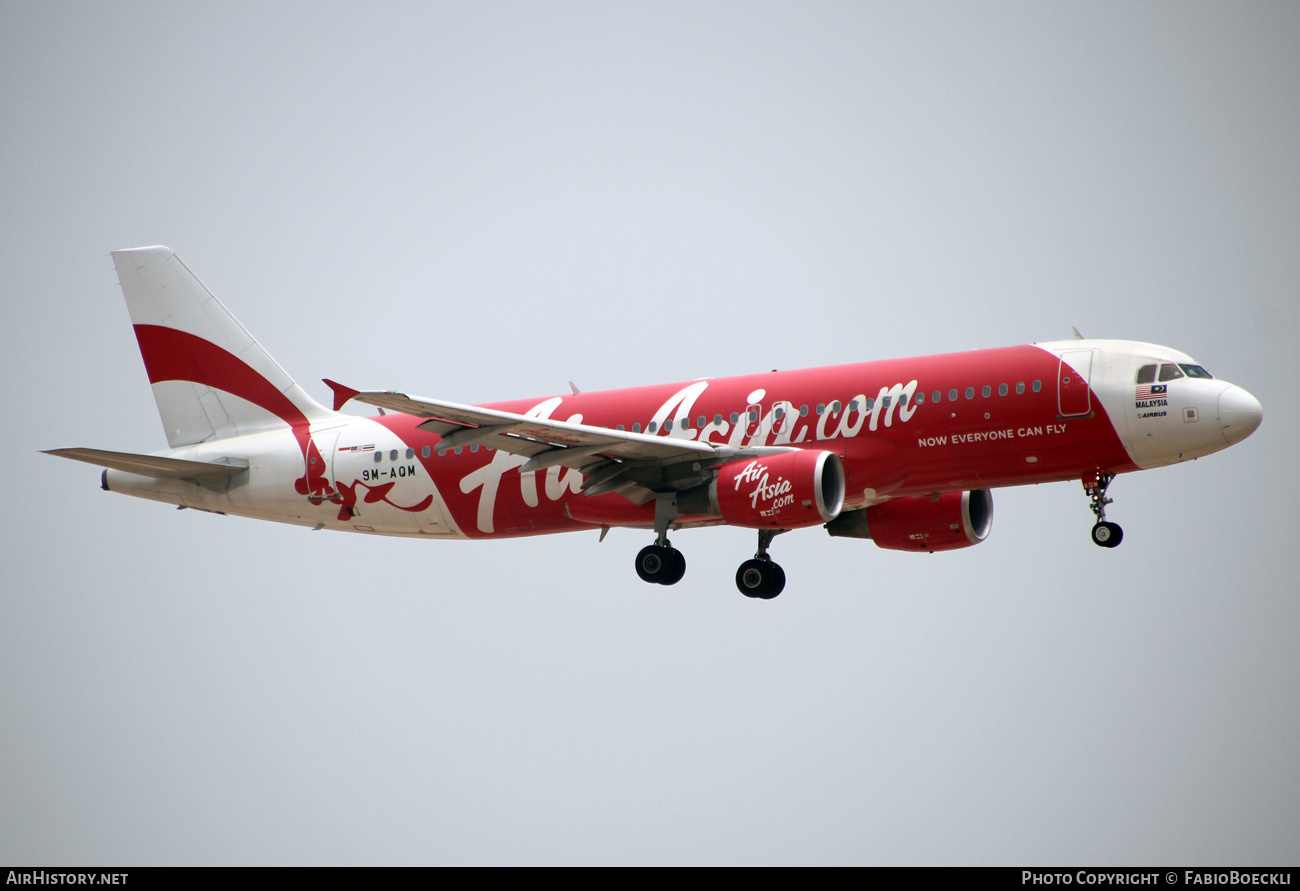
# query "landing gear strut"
(661, 563)
(1104, 534)
(760, 577)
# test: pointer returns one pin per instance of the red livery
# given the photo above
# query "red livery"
(903, 451)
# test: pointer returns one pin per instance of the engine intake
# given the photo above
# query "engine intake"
(786, 491)
(951, 521)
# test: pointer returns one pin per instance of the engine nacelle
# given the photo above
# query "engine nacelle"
(953, 520)
(785, 491)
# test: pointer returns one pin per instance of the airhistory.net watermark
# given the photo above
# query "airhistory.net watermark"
(41, 877)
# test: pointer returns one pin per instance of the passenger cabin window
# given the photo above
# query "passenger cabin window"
(1196, 371)
(936, 396)
(1146, 374)
(1038, 385)
(1169, 372)
(952, 395)
(1020, 388)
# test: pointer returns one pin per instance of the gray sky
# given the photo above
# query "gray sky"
(482, 202)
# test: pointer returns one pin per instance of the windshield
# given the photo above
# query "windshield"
(1170, 371)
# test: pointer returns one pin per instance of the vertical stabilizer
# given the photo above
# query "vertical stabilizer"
(211, 379)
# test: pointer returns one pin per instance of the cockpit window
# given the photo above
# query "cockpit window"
(1147, 374)
(1196, 371)
(1169, 372)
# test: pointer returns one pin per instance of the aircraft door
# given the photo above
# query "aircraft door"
(433, 521)
(779, 419)
(1074, 384)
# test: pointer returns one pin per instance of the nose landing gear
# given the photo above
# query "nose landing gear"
(1104, 534)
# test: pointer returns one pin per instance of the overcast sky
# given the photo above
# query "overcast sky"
(485, 201)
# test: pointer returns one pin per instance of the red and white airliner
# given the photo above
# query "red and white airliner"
(901, 451)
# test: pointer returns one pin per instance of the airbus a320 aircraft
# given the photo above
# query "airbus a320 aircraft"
(903, 452)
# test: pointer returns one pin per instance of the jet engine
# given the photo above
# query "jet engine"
(785, 491)
(950, 521)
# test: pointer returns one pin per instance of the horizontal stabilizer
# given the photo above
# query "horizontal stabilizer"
(153, 465)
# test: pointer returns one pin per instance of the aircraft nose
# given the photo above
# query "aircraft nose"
(1239, 414)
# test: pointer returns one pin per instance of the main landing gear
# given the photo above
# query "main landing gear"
(1104, 534)
(761, 578)
(660, 564)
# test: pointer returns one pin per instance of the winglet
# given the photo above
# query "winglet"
(342, 394)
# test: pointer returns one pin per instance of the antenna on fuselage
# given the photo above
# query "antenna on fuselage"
(1077, 335)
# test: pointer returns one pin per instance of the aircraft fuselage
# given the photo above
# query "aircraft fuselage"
(901, 451)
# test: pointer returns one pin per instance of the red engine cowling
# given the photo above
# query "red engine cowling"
(953, 520)
(785, 491)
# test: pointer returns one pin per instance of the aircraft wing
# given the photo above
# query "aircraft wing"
(547, 442)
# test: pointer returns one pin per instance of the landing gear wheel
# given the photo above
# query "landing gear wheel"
(660, 565)
(778, 582)
(676, 567)
(1107, 535)
(651, 563)
(761, 579)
